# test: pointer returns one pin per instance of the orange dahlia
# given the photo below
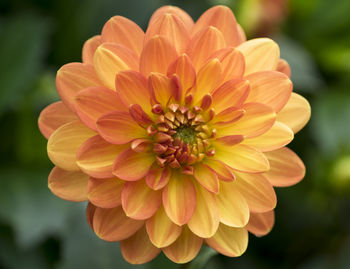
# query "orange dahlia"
(175, 136)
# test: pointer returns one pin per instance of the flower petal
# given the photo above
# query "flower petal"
(172, 28)
(89, 49)
(64, 143)
(123, 31)
(162, 87)
(286, 168)
(205, 219)
(93, 102)
(96, 157)
(203, 44)
(257, 191)
(157, 55)
(157, 178)
(111, 224)
(229, 241)
(241, 157)
(110, 59)
(139, 201)
(185, 18)
(131, 165)
(296, 112)
(105, 192)
(138, 248)
(53, 116)
(260, 54)
(185, 248)
(68, 185)
(223, 171)
(232, 93)
(261, 223)
(257, 119)
(278, 136)
(206, 177)
(184, 69)
(119, 128)
(179, 198)
(242, 37)
(270, 88)
(284, 67)
(233, 209)
(72, 78)
(161, 230)
(90, 212)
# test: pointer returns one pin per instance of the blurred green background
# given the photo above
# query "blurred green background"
(38, 230)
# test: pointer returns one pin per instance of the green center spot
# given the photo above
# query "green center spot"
(186, 134)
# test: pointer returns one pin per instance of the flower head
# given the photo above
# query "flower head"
(175, 136)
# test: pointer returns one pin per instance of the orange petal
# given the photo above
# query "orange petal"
(110, 59)
(286, 168)
(157, 55)
(241, 157)
(207, 78)
(184, 69)
(172, 28)
(242, 37)
(68, 185)
(257, 119)
(184, 17)
(233, 93)
(232, 62)
(223, 19)
(296, 112)
(64, 143)
(161, 230)
(93, 102)
(278, 136)
(157, 178)
(131, 165)
(223, 171)
(72, 78)
(229, 241)
(111, 224)
(53, 116)
(89, 49)
(105, 192)
(119, 128)
(257, 191)
(185, 248)
(179, 198)
(138, 249)
(125, 32)
(206, 177)
(162, 87)
(233, 209)
(96, 157)
(203, 44)
(284, 67)
(270, 88)
(224, 120)
(205, 219)
(261, 223)
(90, 212)
(260, 54)
(132, 89)
(139, 201)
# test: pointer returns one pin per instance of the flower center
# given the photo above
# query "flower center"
(181, 136)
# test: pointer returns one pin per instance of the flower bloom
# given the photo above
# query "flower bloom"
(175, 136)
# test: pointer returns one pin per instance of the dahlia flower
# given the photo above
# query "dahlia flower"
(175, 136)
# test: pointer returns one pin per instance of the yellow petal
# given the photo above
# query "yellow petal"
(286, 168)
(296, 113)
(89, 49)
(206, 177)
(68, 185)
(110, 59)
(138, 249)
(229, 241)
(260, 54)
(205, 219)
(185, 248)
(261, 223)
(64, 143)
(161, 230)
(233, 209)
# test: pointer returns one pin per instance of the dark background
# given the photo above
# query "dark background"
(38, 230)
